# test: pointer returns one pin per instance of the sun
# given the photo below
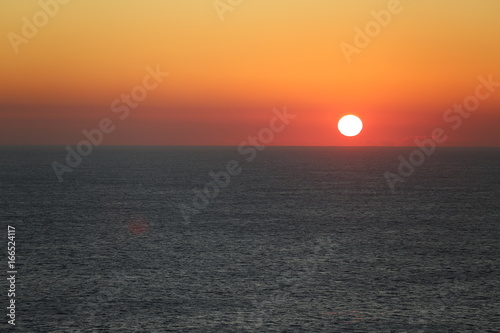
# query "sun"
(350, 125)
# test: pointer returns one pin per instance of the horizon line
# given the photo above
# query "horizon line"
(208, 146)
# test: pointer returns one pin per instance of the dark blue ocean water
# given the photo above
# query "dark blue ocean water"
(301, 240)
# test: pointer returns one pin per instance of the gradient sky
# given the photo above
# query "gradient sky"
(227, 75)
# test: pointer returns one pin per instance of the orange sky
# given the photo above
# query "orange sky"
(226, 76)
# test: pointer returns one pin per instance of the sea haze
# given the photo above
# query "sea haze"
(303, 239)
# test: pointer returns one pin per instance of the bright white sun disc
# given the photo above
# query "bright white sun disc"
(350, 125)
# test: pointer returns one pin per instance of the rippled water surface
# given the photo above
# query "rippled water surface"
(301, 240)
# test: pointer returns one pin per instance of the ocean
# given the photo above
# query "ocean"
(299, 239)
